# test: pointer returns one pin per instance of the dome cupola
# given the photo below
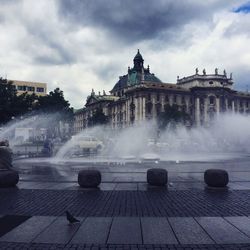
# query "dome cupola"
(138, 61)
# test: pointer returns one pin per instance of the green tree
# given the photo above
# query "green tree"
(54, 102)
(22, 104)
(172, 116)
(7, 96)
(11, 104)
(98, 118)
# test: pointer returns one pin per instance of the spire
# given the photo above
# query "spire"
(138, 61)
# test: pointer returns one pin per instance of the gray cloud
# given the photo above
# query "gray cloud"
(134, 21)
(45, 36)
(239, 26)
(78, 45)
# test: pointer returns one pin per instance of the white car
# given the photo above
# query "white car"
(87, 142)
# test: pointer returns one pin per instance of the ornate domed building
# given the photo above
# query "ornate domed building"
(140, 95)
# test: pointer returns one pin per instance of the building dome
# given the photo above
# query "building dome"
(135, 75)
(138, 61)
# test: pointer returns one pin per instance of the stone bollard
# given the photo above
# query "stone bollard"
(89, 178)
(8, 178)
(216, 178)
(5, 158)
(157, 176)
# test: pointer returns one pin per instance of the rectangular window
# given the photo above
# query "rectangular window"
(175, 99)
(31, 88)
(22, 88)
(40, 89)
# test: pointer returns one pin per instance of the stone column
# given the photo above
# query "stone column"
(135, 110)
(162, 103)
(205, 110)
(171, 100)
(226, 104)
(153, 107)
(244, 107)
(233, 107)
(141, 108)
(197, 111)
(140, 101)
(144, 108)
(128, 113)
(217, 106)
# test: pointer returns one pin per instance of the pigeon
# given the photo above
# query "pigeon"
(71, 219)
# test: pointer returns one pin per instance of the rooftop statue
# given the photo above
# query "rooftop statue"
(204, 72)
(196, 71)
(216, 71)
(224, 72)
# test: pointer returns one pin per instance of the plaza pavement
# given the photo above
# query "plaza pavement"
(126, 213)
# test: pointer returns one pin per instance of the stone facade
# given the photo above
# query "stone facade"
(140, 95)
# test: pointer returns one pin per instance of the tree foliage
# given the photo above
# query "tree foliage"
(98, 118)
(172, 116)
(13, 105)
(54, 102)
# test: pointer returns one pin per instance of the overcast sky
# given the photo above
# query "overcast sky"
(78, 45)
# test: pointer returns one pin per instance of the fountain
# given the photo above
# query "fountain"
(138, 147)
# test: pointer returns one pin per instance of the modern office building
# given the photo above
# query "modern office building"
(37, 88)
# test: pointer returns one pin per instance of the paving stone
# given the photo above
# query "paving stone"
(241, 222)
(126, 186)
(62, 186)
(155, 202)
(221, 231)
(9, 222)
(26, 185)
(125, 230)
(57, 232)
(236, 186)
(245, 185)
(93, 231)
(28, 230)
(36, 246)
(107, 186)
(188, 231)
(142, 186)
(43, 185)
(157, 231)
